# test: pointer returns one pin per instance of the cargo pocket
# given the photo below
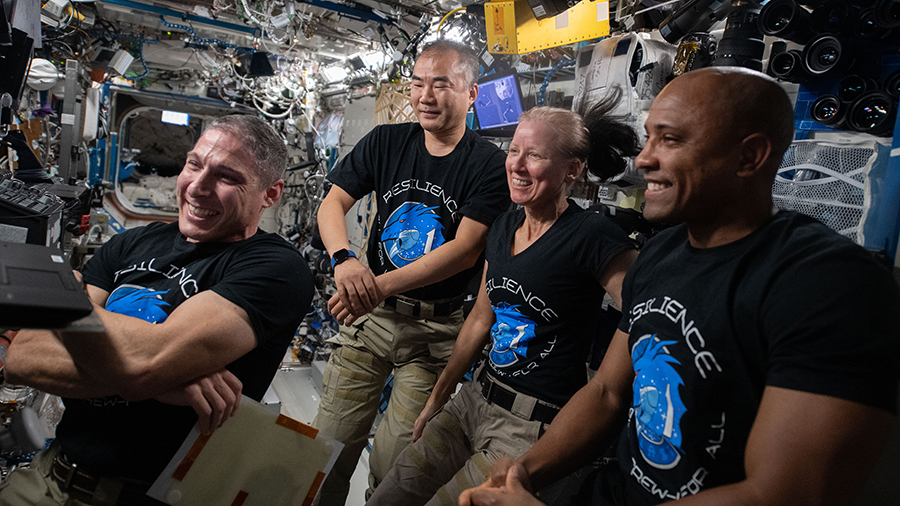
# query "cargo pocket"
(348, 333)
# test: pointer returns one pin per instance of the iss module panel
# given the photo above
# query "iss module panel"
(512, 28)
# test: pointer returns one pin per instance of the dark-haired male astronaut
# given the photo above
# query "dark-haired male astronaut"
(439, 188)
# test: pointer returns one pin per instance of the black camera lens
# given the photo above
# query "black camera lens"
(788, 66)
(872, 113)
(891, 85)
(887, 13)
(826, 55)
(834, 18)
(866, 27)
(852, 86)
(785, 19)
(778, 46)
(692, 16)
(828, 110)
(742, 44)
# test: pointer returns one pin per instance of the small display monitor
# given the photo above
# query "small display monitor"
(175, 118)
(499, 104)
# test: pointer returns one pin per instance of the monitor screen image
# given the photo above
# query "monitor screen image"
(499, 103)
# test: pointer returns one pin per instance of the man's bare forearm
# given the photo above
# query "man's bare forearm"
(450, 258)
(38, 359)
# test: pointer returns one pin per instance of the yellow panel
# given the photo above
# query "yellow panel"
(500, 23)
(586, 20)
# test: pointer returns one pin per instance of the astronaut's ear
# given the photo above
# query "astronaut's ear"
(574, 171)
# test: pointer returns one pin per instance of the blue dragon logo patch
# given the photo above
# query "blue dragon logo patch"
(139, 302)
(412, 230)
(511, 334)
(657, 402)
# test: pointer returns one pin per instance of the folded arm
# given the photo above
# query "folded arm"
(140, 359)
(455, 255)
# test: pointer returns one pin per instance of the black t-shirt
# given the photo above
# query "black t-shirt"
(793, 305)
(148, 272)
(422, 198)
(547, 300)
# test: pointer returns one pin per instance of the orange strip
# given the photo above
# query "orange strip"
(240, 498)
(192, 454)
(314, 488)
(294, 425)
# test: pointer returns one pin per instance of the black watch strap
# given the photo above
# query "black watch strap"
(340, 256)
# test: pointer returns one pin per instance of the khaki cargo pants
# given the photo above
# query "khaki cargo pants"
(377, 344)
(456, 451)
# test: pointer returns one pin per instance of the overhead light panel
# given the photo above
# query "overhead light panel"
(175, 118)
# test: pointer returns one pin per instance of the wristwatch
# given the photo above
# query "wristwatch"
(340, 256)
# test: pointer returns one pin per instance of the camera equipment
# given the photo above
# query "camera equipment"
(872, 113)
(852, 86)
(828, 110)
(826, 55)
(887, 13)
(695, 51)
(692, 16)
(891, 85)
(742, 44)
(779, 46)
(785, 19)
(834, 17)
(866, 27)
(788, 66)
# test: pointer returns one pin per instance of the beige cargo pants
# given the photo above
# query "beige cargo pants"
(377, 344)
(456, 452)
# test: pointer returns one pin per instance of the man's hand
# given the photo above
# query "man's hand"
(357, 294)
(427, 412)
(512, 492)
(214, 397)
(340, 312)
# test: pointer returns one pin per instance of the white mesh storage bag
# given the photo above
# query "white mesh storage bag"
(827, 181)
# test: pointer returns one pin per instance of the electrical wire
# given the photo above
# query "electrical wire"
(441, 23)
(549, 76)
